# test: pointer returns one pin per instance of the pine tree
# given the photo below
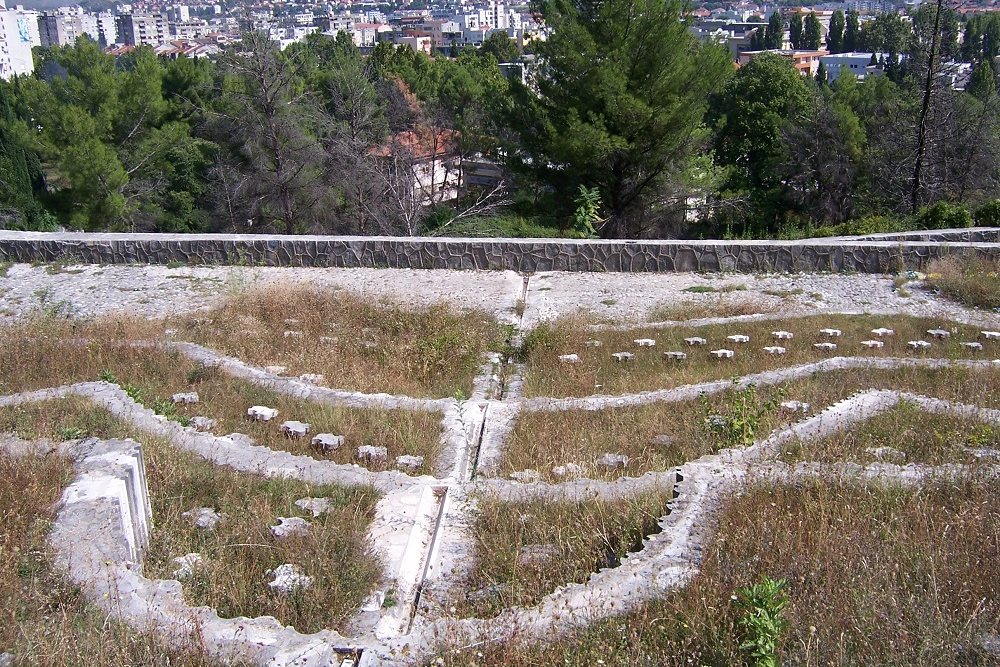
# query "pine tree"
(795, 30)
(812, 34)
(835, 38)
(774, 36)
(852, 32)
(821, 74)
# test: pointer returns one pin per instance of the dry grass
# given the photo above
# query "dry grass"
(241, 549)
(597, 372)
(922, 437)
(43, 354)
(541, 440)
(668, 311)
(970, 281)
(876, 576)
(583, 537)
(45, 621)
(356, 344)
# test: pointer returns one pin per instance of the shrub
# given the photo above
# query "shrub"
(762, 621)
(988, 215)
(944, 215)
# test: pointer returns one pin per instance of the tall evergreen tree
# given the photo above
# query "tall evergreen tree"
(774, 36)
(621, 94)
(812, 34)
(821, 74)
(795, 30)
(835, 38)
(852, 31)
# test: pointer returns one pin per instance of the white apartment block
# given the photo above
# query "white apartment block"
(15, 44)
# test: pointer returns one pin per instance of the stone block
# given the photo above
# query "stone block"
(774, 349)
(645, 342)
(972, 345)
(327, 442)
(289, 578)
(372, 454)
(593, 343)
(622, 356)
(295, 429)
(991, 335)
(676, 356)
(568, 471)
(261, 413)
(202, 423)
(186, 565)
(825, 347)
(794, 406)
(206, 518)
(292, 334)
(738, 338)
(290, 527)
(783, 335)
(919, 345)
(569, 358)
(873, 344)
(722, 353)
(185, 398)
(882, 332)
(831, 333)
(695, 340)
(317, 506)
(940, 334)
(409, 462)
(611, 461)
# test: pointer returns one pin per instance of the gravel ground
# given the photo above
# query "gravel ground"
(155, 291)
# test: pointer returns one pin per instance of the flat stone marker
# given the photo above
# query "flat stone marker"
(882, 332)
(826, 347)
(373, 454)
(186, 565)
(329, 340)
(205, 518)
(290, 526)
(645, 342)
(593, 343)
(533, 555)
(794, 406)
(275, 370)
(622, 356)
(185, 398)
(873, 344)
(313, 378)
(291, 320)
(293, 334)
(676, 356)
(783, 335)
(889, 454)
(919, 345)
(528, 476)
(939, 333)
(973, 345)
(409, 462)
(611, 461)
(831, 333)
(569, 358)
(294, 429)
(991, 335)
(722, 353)
(317, 506)
(774, 349)
(289, 578)
(568, 470)
(695, 340)
(738, 338)
(261, 413)
(202, 423)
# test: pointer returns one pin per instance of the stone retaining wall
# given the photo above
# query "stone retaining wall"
(526, 255)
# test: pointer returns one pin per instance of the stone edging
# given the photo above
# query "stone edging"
(526, 255)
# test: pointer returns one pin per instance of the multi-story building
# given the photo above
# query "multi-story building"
(858, 64)
(15, 44)
(805, 63)
(59, 28)
(136, 29)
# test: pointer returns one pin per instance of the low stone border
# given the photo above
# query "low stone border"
(526, 255)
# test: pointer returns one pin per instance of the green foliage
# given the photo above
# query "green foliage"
(812, 34)
(621, 92)
(835, 36)
(587, 216)
(944, 215)
(775, 32)
(988, 214)
(741, 415)
(762, 621)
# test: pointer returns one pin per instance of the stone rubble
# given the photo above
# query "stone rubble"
(288, 579)
(206, 518)
(290, 527)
